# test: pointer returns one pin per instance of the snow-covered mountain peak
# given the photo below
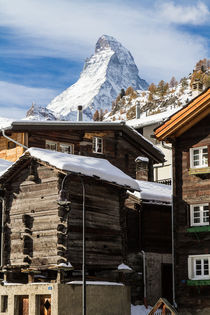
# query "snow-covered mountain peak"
(105, 73)
(107, 42)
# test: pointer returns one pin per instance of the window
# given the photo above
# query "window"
(198, 267)
(11, 145)
(67, 148)
(97, 145)
(199, 214)
(198, 157)
(62, 147)
(51, 145)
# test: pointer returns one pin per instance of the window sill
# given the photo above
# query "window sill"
(98, 152)
(200, 170)
(197, 229)
(198, 282)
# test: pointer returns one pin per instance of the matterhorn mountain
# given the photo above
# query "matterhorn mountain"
(105, 73)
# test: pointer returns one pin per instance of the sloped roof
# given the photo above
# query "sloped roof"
(76, 164)
(185, 118)
(4, 164)
(152, 119)
(131, 134)
(153, 192)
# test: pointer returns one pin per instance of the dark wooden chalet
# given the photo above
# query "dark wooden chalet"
(150, 214)
(149, 239)
(42, 235)
(189, 132)
(116, 142)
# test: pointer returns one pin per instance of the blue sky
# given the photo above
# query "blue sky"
(44, 43)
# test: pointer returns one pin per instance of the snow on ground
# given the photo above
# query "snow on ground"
(175, 99)
(153, 191)
(140, 310)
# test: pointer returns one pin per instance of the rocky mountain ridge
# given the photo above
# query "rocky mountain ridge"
(163, 98)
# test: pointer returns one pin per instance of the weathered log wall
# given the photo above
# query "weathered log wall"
(31, 209)
(10, 151)
(39, 232)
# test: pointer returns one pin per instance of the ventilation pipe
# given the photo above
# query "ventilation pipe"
(144, 278)
(79, 113)
(137, 110)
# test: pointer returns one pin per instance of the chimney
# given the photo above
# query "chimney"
(79, 113)
(142, 168)
(137, 110)
(197, 88)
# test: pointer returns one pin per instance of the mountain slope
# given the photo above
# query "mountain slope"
(110, 69)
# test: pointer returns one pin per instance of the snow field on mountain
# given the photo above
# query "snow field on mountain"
(105, 73)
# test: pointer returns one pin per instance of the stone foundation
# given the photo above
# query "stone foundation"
(65, 299)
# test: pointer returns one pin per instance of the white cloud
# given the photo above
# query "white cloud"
(16, 99)
(195, 14)
(69, 29)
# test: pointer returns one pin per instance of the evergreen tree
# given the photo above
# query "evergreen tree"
(122, 93)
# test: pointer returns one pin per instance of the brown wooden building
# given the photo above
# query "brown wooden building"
(42, 234)
(149, 240)
(189, 132)
(116, 142)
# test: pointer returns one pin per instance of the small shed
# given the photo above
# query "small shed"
(165, 306)
(42, 235)
(149, 241)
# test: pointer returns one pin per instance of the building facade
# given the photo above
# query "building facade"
(189, 132)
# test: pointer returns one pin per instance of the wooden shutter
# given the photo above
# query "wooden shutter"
(187, 207)
(209, 213)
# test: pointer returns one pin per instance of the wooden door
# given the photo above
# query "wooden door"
(24, 305)
(167, 282)
(45, 305)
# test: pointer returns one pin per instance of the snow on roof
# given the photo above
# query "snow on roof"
(84, 165)
(4, 164)
(5, 122)
(124, 267)
(152, 119)
(146, 140)
(142, 159)
(154, 191)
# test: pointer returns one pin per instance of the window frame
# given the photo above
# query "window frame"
(95, 144)
(67, 145)
(49, 142)
(192, 267)
(201, 211)
(200, 157)
(58, 145)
